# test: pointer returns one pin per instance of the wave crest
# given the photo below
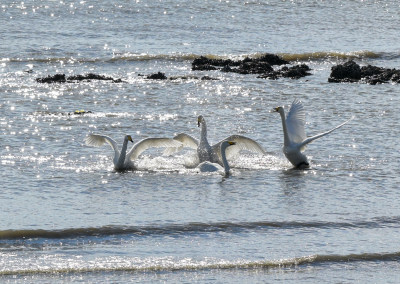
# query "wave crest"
(171, 264)
(188, 228)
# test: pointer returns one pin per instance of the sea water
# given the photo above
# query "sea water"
(67, 216)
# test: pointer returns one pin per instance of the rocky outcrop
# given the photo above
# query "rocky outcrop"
(61, 78)
(263, 66)
(248, 65)
(294, 72)
(162, 76)
(157, 76)
(352, 72)
(347, 72)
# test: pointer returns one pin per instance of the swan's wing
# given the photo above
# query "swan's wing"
(311, 139)
(99, 140)
(242, 143)
(147, 143)
(295, 122)
(186, 140)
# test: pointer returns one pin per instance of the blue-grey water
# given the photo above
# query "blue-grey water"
(67, 216)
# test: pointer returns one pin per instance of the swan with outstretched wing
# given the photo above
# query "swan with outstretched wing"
(124, 161)
(212, 153)
(294, 135)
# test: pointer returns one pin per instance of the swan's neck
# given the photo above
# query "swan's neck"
(121, 159)
(285, 131)
(225, 161)
(203, 133)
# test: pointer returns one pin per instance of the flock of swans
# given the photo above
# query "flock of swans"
(215, 157)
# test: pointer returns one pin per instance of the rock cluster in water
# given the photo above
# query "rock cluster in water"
(261, 65)
(352, 72)
(162, 76)
(61, 78)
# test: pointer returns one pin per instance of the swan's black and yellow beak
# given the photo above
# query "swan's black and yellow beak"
(276, 109)
(130, 138)
(198, 122)
(231, 143)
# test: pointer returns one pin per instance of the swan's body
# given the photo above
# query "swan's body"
(206, 152)
(294, 136)
(122, 160)
(213, 167)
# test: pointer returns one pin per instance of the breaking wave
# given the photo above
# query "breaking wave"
(132, 57)
(181, 229)
(188, 264)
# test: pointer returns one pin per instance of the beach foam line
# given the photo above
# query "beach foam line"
(187, 264)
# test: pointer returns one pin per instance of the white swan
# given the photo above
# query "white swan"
(294, 136)
(212, 167)
(124, 161)
(206, 152)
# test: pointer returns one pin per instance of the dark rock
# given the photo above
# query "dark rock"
(396, 78)
(294, 72)
(351, 72)
(80, 112)
(57, 78)
(248, 65)
(60, 78)
(157, 76)
(207, 78)
(273, 59)
(205, 67)
(348, 72)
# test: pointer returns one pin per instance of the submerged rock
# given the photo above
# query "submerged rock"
(80, 112)
(352, 72)
(91, 76)
(157, 76)
(162, 76)
(57, 78)
(61, 78)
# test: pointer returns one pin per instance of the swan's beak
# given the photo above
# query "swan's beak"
(198, 122)
(130, 138)
(231, 143)
(276, 109)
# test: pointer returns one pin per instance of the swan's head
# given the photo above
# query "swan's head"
(200, 120)
(279, 109)
(129, 138)
(227, 143)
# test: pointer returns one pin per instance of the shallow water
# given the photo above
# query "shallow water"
(69, 217)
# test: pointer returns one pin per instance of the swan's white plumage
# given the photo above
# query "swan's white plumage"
(147, 143)
(296, 121)
(208, 166)
(186, 140)
(295, 139)
(206, 152)
(123, 160)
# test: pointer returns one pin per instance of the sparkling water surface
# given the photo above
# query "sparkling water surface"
(69, 217)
